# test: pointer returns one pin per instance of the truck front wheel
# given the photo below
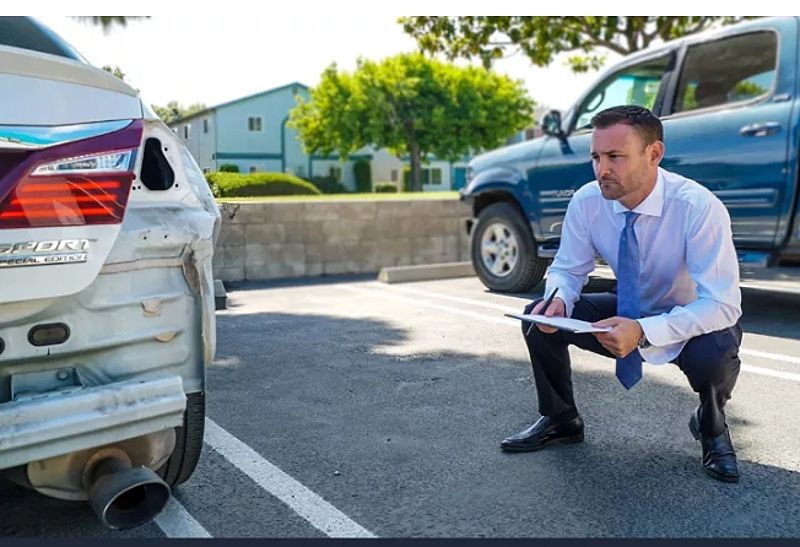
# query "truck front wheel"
(504, 251)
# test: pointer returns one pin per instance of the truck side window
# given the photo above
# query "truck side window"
(637, 84)
(727, 71)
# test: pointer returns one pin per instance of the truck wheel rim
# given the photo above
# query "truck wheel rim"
(499, 249)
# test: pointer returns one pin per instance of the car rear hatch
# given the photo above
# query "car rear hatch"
(69, 137)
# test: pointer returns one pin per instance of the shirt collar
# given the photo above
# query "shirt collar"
(652, 205)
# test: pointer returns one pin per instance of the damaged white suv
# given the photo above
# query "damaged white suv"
(107, 229)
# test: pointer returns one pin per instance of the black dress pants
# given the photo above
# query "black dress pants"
(709, 361)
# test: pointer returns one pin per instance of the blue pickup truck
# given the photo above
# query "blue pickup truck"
(729, 103)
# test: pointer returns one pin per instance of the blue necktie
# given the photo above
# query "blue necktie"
(629, 368)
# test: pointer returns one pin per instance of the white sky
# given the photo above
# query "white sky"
(213, 59)
(213, 53)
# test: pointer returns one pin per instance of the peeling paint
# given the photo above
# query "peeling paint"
(166, 336)
(151, 307)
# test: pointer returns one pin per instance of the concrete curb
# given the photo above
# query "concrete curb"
(220, 296)
(426, 272)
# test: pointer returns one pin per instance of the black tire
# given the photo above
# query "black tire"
(188, 442)
(528, 270)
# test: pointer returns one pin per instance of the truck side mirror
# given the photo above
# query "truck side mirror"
(551, 124)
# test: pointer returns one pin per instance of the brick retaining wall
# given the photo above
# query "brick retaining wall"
(260, 241)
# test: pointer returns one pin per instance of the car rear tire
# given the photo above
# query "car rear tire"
(188, 442)
(504, 252)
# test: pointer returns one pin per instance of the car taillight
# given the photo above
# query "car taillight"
(84, 182)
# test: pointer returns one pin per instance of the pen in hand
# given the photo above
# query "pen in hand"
(544, 308)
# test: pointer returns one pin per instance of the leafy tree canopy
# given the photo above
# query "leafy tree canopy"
(175, 111)
(413, 106)
(540, 38)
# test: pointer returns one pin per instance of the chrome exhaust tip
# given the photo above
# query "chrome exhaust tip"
(123, 497)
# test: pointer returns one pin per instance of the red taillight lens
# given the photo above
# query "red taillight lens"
(67, 200)
(84, 182)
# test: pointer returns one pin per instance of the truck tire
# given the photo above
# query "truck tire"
(504, 251)
(188, 442)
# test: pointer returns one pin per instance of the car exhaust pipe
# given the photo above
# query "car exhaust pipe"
(122, 496)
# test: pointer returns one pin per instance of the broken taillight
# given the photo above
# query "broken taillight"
(79, 183)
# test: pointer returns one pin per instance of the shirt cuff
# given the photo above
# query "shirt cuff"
(566, 295)
(656, 330)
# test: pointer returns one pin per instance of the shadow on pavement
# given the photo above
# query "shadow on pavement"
(414, 438)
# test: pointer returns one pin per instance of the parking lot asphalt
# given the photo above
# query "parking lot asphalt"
(347, 408)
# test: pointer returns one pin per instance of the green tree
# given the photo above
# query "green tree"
(541, 37)
(175, 111)
(107, 22)
(411, 105)
(115, 70)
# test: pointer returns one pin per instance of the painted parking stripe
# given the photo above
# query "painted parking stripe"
(772, 372)
(518, 309)
(319, 513)
(176, 522)
(376, 290)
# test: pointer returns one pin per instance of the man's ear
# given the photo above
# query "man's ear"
(655, 152)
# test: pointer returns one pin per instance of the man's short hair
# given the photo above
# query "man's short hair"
(646, 125)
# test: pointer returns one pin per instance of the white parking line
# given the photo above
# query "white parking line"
(380, 289)
(319, 513)
(176, 522)
(518, 309)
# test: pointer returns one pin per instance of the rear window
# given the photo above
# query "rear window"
(27, 33)
(728, 71)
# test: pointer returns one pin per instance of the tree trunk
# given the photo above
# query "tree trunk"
(416, 171)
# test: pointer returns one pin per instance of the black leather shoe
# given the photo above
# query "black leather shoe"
(719, 458)
(544, 433)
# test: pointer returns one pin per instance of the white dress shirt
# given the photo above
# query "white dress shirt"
(689, 273)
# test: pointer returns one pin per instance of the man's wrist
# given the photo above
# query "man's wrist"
(643, 341)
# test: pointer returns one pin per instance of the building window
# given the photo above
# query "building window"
(394, 175)
(431, 175)
(335, 173)
(205, 125)
(186, 132)
(254, 123)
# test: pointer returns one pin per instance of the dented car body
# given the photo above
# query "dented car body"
(107, 230)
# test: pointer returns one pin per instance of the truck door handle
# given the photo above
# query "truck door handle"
(760, 129)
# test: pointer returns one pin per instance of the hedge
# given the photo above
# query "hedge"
(258, 184)
(328, 185)
(385, 187)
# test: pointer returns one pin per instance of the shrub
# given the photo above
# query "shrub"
(328, 185)
(214, 188)
(362, 173)
(258, 184)
(229, 168)
(386, 187)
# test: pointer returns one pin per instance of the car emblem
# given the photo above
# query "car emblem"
(40, 253)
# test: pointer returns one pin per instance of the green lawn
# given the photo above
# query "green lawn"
(344, 197)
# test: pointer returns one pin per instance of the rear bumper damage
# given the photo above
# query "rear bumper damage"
(57, 423)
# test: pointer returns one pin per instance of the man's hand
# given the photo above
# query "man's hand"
(623, 339)
(557, 308)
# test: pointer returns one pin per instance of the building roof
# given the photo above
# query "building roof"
(254, 95)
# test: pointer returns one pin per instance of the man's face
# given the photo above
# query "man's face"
(622, 164)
